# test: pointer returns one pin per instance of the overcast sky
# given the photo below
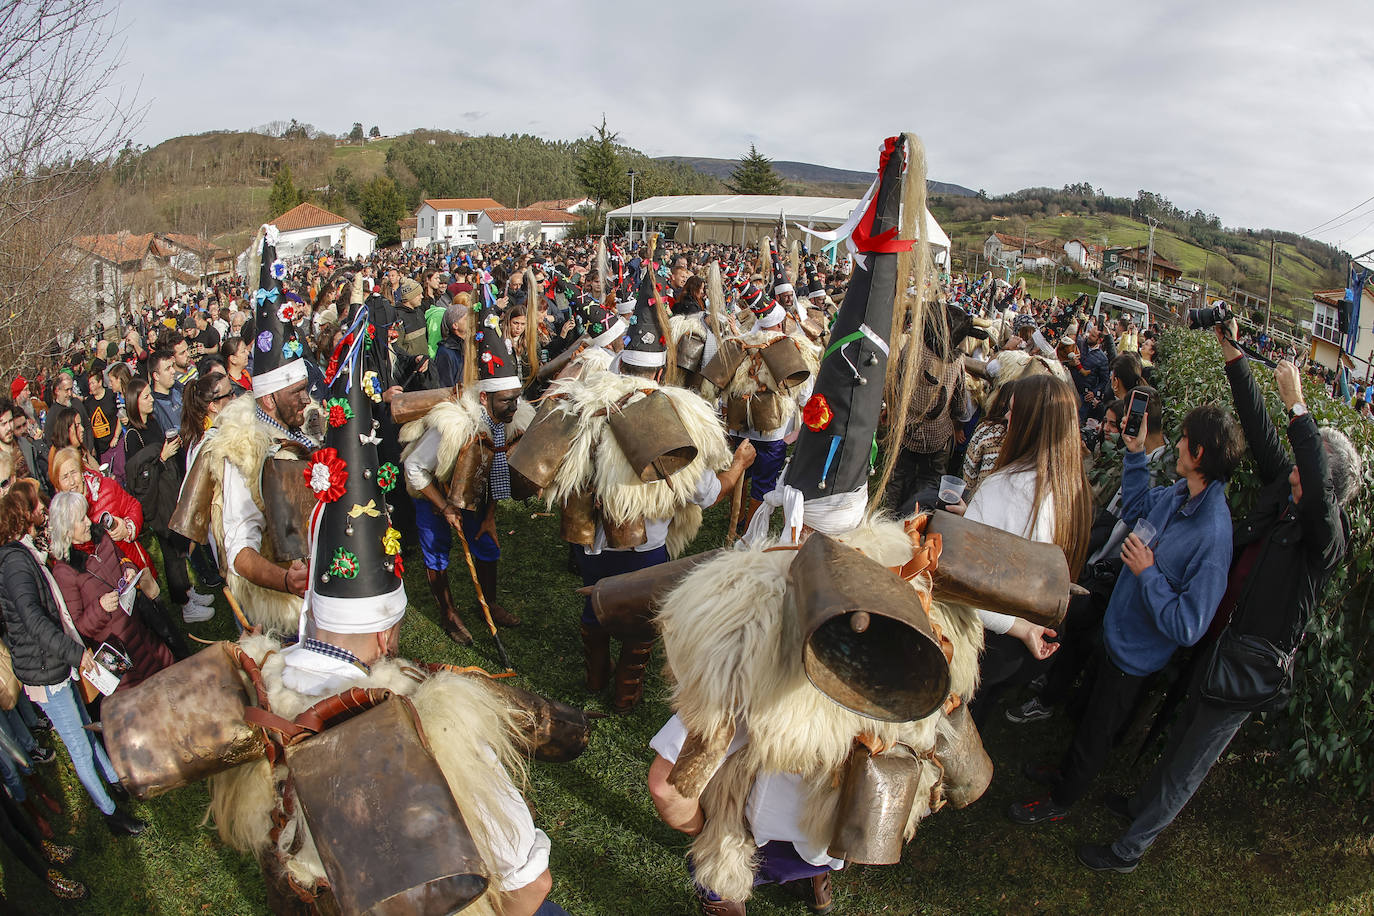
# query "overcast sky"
(1260, 112)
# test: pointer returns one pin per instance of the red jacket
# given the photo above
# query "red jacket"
(104, 494)
(83, 579)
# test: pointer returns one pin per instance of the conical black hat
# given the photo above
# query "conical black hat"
(277, 362)
(646, 341)
(495, 365)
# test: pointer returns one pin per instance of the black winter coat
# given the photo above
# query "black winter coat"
(155, 483)
(40, 650)
(1302, 547)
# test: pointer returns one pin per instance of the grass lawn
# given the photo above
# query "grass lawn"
(1239, 848)
(363, 160)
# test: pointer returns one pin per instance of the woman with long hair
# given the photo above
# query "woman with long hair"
(235, 352)
(1037, 490)
(203, 400)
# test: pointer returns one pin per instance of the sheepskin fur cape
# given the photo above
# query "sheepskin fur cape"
(595, 462)
(458, 422)
(735, 657)
(245, 443)
(752, 375)
(462, 719)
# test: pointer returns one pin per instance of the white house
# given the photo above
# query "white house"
(1086, 256)
(1326, 343)
(1003, 249)
(307, 227)
(566, 204)
(503, 224)
(449, 219)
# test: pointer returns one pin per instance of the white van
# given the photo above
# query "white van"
(1115, 306)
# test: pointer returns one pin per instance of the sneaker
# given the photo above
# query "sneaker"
(1030, 711)
(202, 600)
(1119, 805)
(1037, 811)
(41, 754)
(196, 613)
(1101, 858)
(1039, 682)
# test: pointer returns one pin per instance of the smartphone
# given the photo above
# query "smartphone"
(1135, 413)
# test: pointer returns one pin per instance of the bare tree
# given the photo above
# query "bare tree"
(62, 121)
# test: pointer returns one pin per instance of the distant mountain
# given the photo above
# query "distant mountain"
(809, 173)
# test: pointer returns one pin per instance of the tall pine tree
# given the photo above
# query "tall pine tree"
(284, 194)
(754, 175)
(598, 168)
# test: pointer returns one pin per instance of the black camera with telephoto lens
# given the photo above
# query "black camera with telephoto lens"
(1205, 318)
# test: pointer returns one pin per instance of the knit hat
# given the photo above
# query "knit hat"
(17, 386)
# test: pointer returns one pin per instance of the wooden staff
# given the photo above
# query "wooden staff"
(481, 598)
(736, 503)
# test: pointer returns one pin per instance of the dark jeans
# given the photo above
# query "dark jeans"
(1198, 738)
(914, 472)
(1110, 702)
(1006, 663)
(174, 562)
(19, 834)
(203, 564)
(1080, 636)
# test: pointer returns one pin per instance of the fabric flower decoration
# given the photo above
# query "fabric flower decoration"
(387, 475)
(816, 414)
(265, 341)
(327, 474)
(391, 542)
(264, 296)
(372, 386)
(291, 349)
(493, 322)
(397, 567)
(345, 564)
(278, 270)
(286, 312)
(339, 411)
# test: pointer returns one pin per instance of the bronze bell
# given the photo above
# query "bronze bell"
(876, 796)
(736, 413)
(548, 730)
(538, 454)
(784, 361)
(412, 405)
(765, 411)
(288, 501)
(467, 487)
(652, 437)
(720, 369)
(867, 642)
(989, 568)
(191, 517)
(577, 521)
(389, 833)
(967, 766)
(624, 536)
(690, 350)
(626, 604)
(182, 724)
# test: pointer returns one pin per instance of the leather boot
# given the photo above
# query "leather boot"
(448, 614)
(596, 645)
(720, 907)
(36, 815)
(821, 899)
(486, 577)
(629, 673)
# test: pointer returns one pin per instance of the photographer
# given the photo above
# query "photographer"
(1165, 597)
(1285, 550)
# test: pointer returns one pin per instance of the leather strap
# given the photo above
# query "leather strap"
(356, 699)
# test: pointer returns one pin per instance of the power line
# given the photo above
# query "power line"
(1339, 215)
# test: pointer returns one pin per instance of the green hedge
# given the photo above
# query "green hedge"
(1326, 730)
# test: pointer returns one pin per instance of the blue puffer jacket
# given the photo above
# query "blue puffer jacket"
(1171, 603)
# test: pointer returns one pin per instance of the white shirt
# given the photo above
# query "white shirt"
(776, 804)
(656, 529)
(520, 855)
(801, 394)
(243, 520)
(1006, 500)
(423, 460)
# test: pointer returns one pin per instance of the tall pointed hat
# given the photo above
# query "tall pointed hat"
(782, 280)
(495, 363)
(646, 340)
(277, 361)
(355, 568)
(836, 446)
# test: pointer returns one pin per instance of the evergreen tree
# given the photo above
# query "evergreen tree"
(356, 133)
(380, 205)
(284, 194)
(754, 175)
(598, 168)
(374, 132)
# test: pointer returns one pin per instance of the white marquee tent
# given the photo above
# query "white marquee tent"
(741, 219)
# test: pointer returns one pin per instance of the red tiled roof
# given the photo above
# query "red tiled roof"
(117, 248)
(460, 203)
(563, 204)
(306, 216)
(506, 214)
(196, 243)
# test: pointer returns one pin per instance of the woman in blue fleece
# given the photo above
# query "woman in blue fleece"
(1165, 597)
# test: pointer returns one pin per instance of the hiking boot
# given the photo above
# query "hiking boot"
(1037, 811)
(448, 614)
(720, 907)
(821, 900)
(486, 578)
(122, 824)
(1101, 858)
(1030, 711)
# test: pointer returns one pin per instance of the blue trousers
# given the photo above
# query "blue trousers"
(12, 724)
(769, 457)
(69, 720)
(436, 537)
(595, 567)
(778, 864)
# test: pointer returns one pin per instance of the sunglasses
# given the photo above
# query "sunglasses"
(222, 397)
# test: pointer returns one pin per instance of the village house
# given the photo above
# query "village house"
(1326, 346)
(450, 219)
(123, 268)
(1133, 261)
(1084, 254)
(567, 204)
(307, 227)
(503, 224)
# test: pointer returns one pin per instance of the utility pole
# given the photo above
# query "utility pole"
(1150, 256)
(632, 173)
(1269, 300)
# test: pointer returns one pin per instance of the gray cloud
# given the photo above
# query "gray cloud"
(1257, 111)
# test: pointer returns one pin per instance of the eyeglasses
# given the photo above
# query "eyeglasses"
(228, 394)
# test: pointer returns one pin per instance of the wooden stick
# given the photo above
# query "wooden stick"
(238, 611)
(736, 504)
(481, 598)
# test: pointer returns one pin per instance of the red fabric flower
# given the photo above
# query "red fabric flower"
(397, 567)
(326, 474)
(817, 413)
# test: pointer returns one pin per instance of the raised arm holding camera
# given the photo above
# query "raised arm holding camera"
(1284, 552)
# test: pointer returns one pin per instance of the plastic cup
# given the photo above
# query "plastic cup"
(1145, 531)
(951, 489)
